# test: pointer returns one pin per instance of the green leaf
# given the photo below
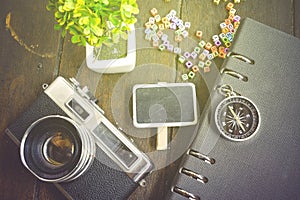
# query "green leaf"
(87, 31)
(63, 33)
(75, 39)
(61, 9)
(73, 31)
(57, 15)
(69, 6)
(57, 27)
(50, 7)
(84, 20)
(105, 2)
(124, 35)
(97, 31)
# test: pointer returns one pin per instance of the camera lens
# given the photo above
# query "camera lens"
(57, 149)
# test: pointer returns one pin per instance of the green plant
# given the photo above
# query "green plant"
(95, 22)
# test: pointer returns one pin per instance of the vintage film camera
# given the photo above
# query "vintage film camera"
(64, 138)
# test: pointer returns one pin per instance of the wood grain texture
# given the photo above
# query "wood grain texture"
(22, 73)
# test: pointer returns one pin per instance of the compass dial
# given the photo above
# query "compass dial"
(237, 118)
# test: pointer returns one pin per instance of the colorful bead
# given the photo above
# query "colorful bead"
(148, 37)
(155, 43)
(178, 38)
(173, 12)
(181, 59)
(185, 34)
(194, 55)
(229, 6)
(191, 74)
(232, 11)
(202, 57)
(154, 27)
(195, 69)
(208, 46)
(174, 19)
(222, 35)
(210, 56)
(151, 20)
(178, 32)
(201, 64)
(167, 25)
(159, 33)
(236, 18)
(173, 26)
(148, 25)
(225, 30)
(155, 38)
(170, 48)
(187, 24)
(214, 49)
(164, 37)
(215, 53)
(223, 25)
(197, 50)
(184, 77)
(202, 43)
(166, 43)
(206, 69)
(218, 43)
(179, 22)
(177, 50)
(188, 64)
(227, 44)
(216, 2)
(157, 18)
(208, 63)
(186, 54)
(181, 27)
(199, 34)
(164, 20)
(227, 21)
(215, 38)
(205, 52)
(161, 47)
(161, 26)
(222, 55)
(154, 11)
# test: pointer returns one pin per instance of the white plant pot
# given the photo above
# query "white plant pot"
(120, 65)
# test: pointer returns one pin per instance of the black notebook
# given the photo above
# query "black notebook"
(264, 66)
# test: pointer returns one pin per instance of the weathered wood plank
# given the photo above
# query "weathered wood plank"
(296, 12)
(28, 59)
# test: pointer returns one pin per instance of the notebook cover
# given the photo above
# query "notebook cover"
(268, 165)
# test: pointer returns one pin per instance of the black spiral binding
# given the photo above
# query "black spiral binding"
(193, 174)
(235, 74)
(185, 193)
(241, 57)
(200, 178)
(201, 156)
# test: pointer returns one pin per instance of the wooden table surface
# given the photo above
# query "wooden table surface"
(33, 53)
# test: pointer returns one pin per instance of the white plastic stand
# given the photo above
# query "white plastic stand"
(120, 65)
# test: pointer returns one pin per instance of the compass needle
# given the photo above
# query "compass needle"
(236, 118)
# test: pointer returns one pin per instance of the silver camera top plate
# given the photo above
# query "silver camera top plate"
(80, 105)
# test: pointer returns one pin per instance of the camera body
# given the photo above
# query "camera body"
(65, 139)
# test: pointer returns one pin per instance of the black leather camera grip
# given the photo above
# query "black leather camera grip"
(99, 182)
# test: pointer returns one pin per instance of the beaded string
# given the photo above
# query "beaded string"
(202, 55)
